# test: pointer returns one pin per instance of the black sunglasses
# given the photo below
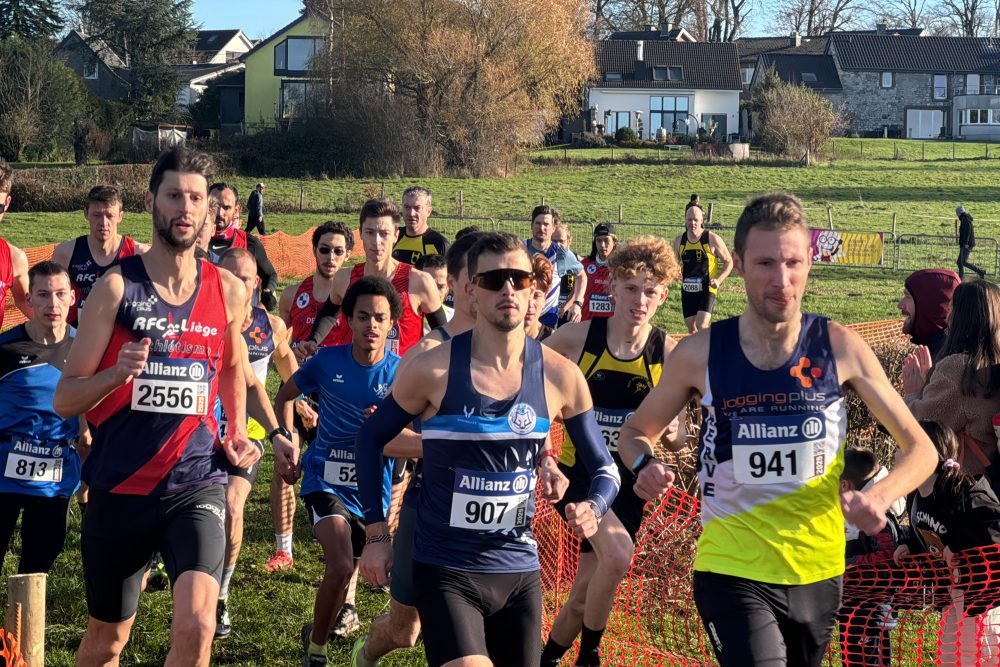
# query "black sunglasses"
(339, 252)
(495, 280)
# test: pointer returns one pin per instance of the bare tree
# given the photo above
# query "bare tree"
(817, 17)
(967, 18)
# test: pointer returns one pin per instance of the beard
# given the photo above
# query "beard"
(165, 230)
(505, 321)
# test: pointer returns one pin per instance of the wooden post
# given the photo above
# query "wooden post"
(461, 203)
(621, 213)
(829, 216)
(923, 148)
(301, 196)
(566, 155)
(711, 210)
(953, 150)
(893, 225)
(834, 151)
(862, 144)
(383, 190)
(895, 151)
(543, 201)
(26, 615)
(612, 153)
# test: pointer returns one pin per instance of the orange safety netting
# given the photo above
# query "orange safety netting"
(10, 650)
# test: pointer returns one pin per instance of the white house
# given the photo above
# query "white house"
(677, 85)
(217, 47)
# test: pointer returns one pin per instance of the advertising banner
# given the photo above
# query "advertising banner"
(830, 246)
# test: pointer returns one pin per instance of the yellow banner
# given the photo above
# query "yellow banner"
(830, 246)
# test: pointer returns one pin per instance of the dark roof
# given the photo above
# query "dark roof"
(707, 65)
(189, 72)
(656, 33)
(915, 32)
(232, 80)
(74, 39)
(791, 66)
(917, 54)
(751, 47)
(214, 40)
(264, 42)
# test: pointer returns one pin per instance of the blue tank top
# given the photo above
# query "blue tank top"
(769, 461)
(37, 452)
(259, 337)
(345, 389)
(477, 497)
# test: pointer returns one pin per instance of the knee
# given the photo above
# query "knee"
(104, 645)
(339, 571)
(193, 633)
(234, 511)
(406, 632)
(619, 560)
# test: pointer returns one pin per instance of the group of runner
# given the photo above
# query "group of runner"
(160, 395)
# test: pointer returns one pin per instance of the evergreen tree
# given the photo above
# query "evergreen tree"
(30, 19)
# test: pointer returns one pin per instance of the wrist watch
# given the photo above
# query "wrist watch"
(641, 462)
(282, 431)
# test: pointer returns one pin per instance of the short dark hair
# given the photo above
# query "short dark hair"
(545, 209)
(6, 176)
(238, 253)
(458, 252)
(44, 270)
(374, 286)
(771, 211)
(494, 243)
(380, 208)
(183, 160)
(222, 185)
(431, 262)
(471, 229)
(103, 194)
(418, 191)
(860, 464)
(333, 227)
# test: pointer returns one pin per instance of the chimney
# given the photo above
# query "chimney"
(795, 39)
(648, 27)
(638, 50)
(880, 28)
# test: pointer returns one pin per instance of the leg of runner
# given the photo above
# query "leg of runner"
(10, 510)
(283, 515)
(703, 320)
(237, 491)
(334, 535)
(347, 622)
(103, 643)
(691, 324)
(193, 624)
(43, 533)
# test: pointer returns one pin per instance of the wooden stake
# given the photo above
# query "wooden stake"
(829, 216)
(26, 615)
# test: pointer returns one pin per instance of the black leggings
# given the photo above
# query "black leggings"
(43, 529)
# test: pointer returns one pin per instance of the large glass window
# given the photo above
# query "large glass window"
(940, 86)
(747, 74)
(981, 117)
(294, 55)
(617, 120)
(671, 113)
(972, 84)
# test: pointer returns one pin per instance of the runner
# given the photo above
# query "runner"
(229, 235)
(622, 358)
(88, 257)
(563, 236)
(147, 372)
(597, 299)
(705, 263)
(378, 221)
(543, 223)
(436, 266)
(541, 273)
(265, 339)
(349, 379)
(475, 562)
(39, 462)
(416, 239)
(332, 243)
(13, 261)
(767, 578)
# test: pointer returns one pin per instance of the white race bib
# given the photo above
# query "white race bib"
(600, 303)
(171, 386)
(33, 469)
(490, 500)
(693, 285)
(392, 340)
(610, 422)
(340, 473)
(778, 449)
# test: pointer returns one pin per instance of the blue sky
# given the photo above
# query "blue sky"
(256, 18)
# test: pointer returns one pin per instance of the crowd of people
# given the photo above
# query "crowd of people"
(419, 389)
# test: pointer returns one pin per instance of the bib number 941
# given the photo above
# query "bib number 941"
(770, 464)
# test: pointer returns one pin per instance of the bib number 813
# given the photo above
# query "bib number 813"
(26, 468)
(485, 512)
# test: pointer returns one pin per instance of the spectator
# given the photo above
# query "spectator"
(962, 389)
(544, 220)
(563, 236)
(966, 242)
(925, 304)
(255, 210)
(695, 201)
(416, 239)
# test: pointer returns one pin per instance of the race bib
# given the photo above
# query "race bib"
(172, 386)
(610, 423)
(490, 500)
(693, 284)
(33, 469)
(340, 473)
(600, 303)
(392, 340)
(774, 450)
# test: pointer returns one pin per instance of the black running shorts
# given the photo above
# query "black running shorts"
(325, 505)
(693, 303)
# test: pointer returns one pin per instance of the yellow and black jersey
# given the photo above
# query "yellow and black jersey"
(698, 264)
(409, 249)
(617, 386)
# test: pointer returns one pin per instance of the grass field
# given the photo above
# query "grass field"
(269, 609)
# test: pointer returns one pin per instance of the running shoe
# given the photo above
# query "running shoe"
(308, 659)
(223, 626)
(357, 654)
(158, 579)
(281, 560)
(347, 622)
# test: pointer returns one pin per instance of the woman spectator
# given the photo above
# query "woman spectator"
(962, 390)
(542, 269)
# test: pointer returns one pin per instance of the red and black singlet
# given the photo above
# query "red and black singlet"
(84, 270)
(156, 435)
(305, 308)
(6, 276)
(597, 298)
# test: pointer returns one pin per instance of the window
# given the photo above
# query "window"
(981, 117)
(613, 76)
(616, 120)
(670, 113)
(887, 80)
(940, 86)
(747, 74)
(995, 120)
(676, 73)
(972, 84)
(808, 77)
(659, 74)
(300, 98)
(293, 55)
(90, 69)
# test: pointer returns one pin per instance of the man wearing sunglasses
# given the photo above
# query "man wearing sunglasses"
(378, 222)
(229, 235)
(485, 399)
(13, 261)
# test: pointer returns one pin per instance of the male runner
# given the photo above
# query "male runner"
(88, 257)
(597, 299)
(705, 263)
(229, 235)
(416, 239)
(543, 224)
(147, 373)
(622, 358)
(332, 243)
(266, 339)
(475, 563)
(378, 221)
(349, 379)
(39, 463)
(770, 559)
(13, 261)
(436, 266)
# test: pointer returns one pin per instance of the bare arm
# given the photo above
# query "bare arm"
(20, 285)
(723, 257)
(283, 357)
(232, 382)
(568, 340)
(285, 302)
(63, 253)
(426, 292)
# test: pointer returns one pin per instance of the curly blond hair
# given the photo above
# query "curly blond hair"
(651, 254)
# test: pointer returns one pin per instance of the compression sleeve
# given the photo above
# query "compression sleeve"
(325, 319)
(590, 448)
(268, 275)
(438, 318)
(389, 419)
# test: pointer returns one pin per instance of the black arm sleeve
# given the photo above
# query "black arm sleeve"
(325, 319)
(268, 276)
(374, 435)
(438, 318)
